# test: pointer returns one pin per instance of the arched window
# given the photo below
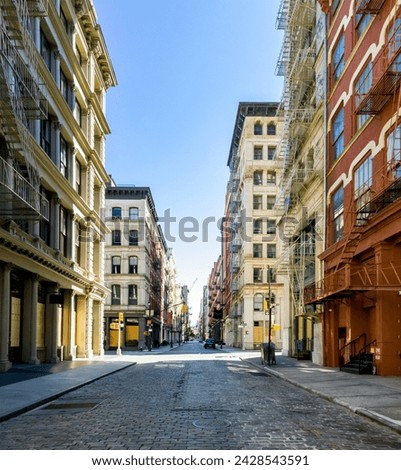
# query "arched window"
(133, 213)
(132, 294)
(257, 128)
(115, 265)
(133, 265)
(271, 129)
(115, 294)
(258, 302)
(116, 212)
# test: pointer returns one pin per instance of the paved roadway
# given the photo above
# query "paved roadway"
(192, 398)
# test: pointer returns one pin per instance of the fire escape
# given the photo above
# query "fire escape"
(21, 101)
(297, 65)
(384, 190)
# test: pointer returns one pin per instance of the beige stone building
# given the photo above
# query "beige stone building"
(54, 74)
(140, 272)
(252, 243)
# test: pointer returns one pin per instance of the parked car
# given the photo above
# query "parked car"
(209, 343)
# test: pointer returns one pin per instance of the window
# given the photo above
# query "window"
(257, 226)
(133, 238)
(271, 177)
(393, 45)
(115, 265)
(394, 152)
(271, 250)
(257, 275)
(78, 177)
(363, 182)
(338, 134)
(116, 212)
(133, 213)
(338, 58)
(338, 214)
(115, 294)
(257, 250)
(64, 87)
(257, 128)
(78, 113)
(394, 145)
(63, 231)
(335, 4)
(64, 20)
(45, 50)
(257, 202)
(258, 153)
(116, 237)
(258, 302)
(258, 177)
(64, 151)
(271, 227)
(361, 23)
(271, 152)
(271, 129)
(45, 135)
(78, 236)
(133, 265)
(132, 294)
(271, 201)
(362, 87)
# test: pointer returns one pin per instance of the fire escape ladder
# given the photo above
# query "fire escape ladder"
(386, 73)
(21, 99)
(369, 6)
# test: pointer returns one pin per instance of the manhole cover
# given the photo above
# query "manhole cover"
(211, 423)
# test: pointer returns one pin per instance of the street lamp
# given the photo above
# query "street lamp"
(270, 316)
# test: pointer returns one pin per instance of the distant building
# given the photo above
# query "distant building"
(251, 240)
(139, 271)
(54, 74)
(215, 304)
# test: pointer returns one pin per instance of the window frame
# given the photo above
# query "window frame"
(115, 294)
(115, 267)
(116, 237)
(338, 133)
(337, 213)
(338, 58)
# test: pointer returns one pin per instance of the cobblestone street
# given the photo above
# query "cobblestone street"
(191, 398)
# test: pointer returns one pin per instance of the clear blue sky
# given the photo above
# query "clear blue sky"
(182, 68)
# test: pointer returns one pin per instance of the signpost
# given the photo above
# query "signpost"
(120, 324)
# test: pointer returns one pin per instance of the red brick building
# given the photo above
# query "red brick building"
(361, 290)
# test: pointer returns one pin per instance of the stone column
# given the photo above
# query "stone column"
(5, 284)
(69, 321)
(30, 320)
(52, 328)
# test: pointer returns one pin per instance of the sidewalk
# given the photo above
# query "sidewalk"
(376, 397)
(26, 386)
